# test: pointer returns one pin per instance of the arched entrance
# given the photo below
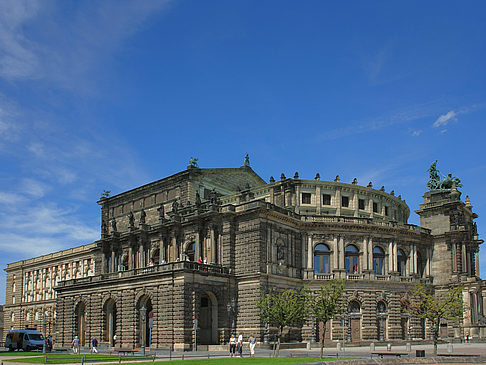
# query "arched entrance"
(208, 319)
(381, 316)
(354, 326)
(109, 311)
(146, 302)
(80, 322)
(190, 251)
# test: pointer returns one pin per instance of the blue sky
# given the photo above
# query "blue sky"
(110, 95)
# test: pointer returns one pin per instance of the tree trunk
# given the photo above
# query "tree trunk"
(322, 340)
(435, 332)
(280, 330)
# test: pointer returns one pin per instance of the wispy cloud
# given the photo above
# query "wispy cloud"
(444, 119)
(416, 132)
(406, 115)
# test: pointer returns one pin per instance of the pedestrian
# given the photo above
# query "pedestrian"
(252, 341)
(49, 343)
(232, 345)
(75, 345)
(94, 345)
(240, 344)
(467, 339)
(114, 340)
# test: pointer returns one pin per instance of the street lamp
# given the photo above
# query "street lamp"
(45, 338)
(233, 308)
(143, 312)
(409, 327)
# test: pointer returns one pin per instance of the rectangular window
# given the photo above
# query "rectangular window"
(326, 199)
(386, 211)
(361, 204)
(306, 198)
(345, 201)
(375, 207)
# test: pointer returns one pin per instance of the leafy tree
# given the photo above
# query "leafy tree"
(423, 303)
(283, 309)
(325, 304)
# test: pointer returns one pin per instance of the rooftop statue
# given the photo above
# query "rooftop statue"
(193, 162)
(438, 183)
(246, 162)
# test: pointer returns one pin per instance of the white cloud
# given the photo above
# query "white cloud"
(444, 119)
(416, 132)
(34, 188)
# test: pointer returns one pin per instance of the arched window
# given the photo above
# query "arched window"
(321, 259)
(381, 308)
(401, 262)
(351, 254)
(191, 251)
(354, 307)
(378, 258)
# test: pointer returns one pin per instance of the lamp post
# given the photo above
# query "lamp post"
(343, 321)
(233, 308)
(45, 338)
(143, 312)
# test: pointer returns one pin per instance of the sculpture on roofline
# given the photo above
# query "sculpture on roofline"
(193, 162)
(436, 183)
(246, 162)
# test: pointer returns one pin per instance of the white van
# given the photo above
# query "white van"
(26, 340)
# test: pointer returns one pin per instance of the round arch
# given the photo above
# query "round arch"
(208, 318)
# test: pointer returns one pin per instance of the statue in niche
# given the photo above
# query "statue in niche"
(198, 199)
(280, 252)
(213, 197)
(161, 211)
(104, 227)
(175, 206)
(131, 220)
(113, 225)
(142, 216)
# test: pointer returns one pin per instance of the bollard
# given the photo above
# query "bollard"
(372, 346)
(388, 347)
(338, 346)
(409, 347)
(308, 345)
(450, 347)
(170, 353)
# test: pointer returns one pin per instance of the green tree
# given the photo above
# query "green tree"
(325, 303)
(283, 309)
(442, 305)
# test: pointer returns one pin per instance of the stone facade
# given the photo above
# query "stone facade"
(251, 236)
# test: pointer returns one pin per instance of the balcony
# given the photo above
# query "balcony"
(204, 269)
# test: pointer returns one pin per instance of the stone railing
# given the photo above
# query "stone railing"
(150, 270)
(323, 276)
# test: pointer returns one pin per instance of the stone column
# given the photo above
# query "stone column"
(390, 257)
(103, 262)
(395, 256)
(415, 259)
(427, 262)
(476, 256)
(336, 252)
(370, 207)
(113, 263)
(355, 205)
(304, 257)
(341, 253)
(130, 258)
(370, 253)
(365, 254)
(338, 202)
(213, 246)
(464, 260)
(173, 247)
(310, 252)
(318, 201)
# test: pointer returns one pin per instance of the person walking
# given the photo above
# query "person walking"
(240, 344)
(232, 345)
(94, 345)
(252, 342)
(75, 345)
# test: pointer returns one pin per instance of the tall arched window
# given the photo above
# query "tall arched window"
(401, 262)
(378, 258)
(321, 259)
(351, 254)
(191, 251)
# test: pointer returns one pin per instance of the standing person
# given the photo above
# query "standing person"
(94, 345)
(49, 343)
(232, 345)
(240, 344)
(252, 341)
(114, 340)
(75, 345)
